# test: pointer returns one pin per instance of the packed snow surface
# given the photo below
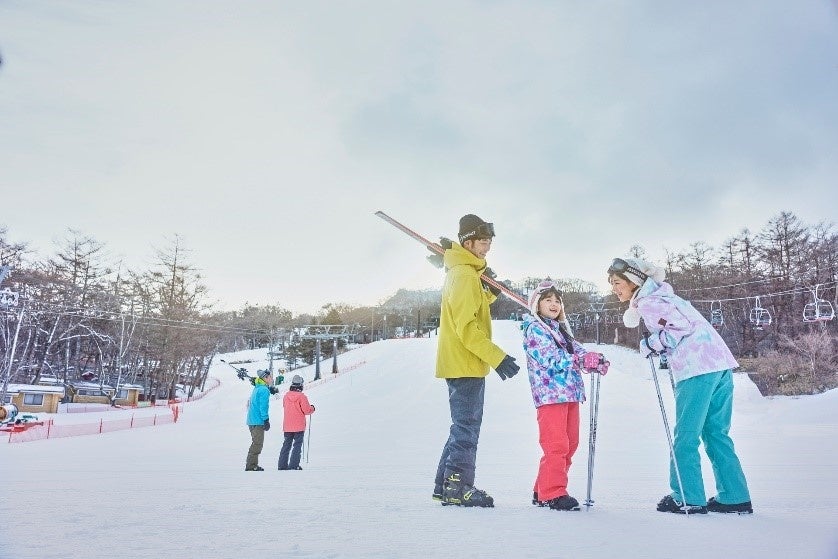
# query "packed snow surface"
(181, 490)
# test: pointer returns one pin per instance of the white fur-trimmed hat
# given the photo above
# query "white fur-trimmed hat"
(637, 272)
(543, 287)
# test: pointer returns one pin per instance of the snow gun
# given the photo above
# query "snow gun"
(241, 372)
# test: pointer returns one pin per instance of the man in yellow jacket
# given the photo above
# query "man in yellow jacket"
(464, 356)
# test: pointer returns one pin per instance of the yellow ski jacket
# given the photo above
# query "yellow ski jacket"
(465, 326)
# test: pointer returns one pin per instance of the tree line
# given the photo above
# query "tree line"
(76, 316)
(771, 294)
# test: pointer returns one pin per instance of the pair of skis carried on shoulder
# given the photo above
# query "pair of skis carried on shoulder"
(437, 248)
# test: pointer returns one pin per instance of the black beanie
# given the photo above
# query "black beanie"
(472, 227)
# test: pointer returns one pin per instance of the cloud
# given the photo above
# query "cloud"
(267, 134)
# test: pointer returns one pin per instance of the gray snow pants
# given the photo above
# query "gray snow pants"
(465, 398)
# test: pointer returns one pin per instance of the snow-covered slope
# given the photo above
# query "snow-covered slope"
(180, 490)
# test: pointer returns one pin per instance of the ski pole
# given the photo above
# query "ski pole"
(308, 444)
(664, 365)
(594, 414)
(668, 434)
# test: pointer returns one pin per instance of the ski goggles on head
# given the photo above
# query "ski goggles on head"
(482, 231)
(545, 286)
(620, 267)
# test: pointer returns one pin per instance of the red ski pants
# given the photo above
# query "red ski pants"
(558, 434)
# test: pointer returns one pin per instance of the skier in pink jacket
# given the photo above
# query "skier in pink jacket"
(297, 407)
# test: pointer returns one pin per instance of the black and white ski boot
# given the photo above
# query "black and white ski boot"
(668, 504)
(739, 508)
(565, 502)
(536, 501)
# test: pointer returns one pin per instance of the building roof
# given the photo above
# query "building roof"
(36, 389)
(91, 386)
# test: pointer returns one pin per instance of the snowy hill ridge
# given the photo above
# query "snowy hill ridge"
(180, 490)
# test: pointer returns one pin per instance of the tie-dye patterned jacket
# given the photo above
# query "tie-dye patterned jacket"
(553, 377)
(692, 345)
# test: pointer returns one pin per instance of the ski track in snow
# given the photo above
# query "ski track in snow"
(180, 490)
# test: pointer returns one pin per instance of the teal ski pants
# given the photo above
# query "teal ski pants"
(703, 409)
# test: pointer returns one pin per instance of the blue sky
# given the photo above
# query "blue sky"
(266, 134)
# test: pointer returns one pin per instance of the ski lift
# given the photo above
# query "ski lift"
(819, 310)
(8, 298)
(759, 317)
(717, 319)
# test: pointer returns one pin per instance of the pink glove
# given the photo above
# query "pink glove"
(595, 362)
(602, 368)
(591, 360)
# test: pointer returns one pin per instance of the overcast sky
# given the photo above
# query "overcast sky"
(271, 131)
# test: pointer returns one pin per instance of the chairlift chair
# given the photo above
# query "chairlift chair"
(759, 317)
(717, 319)
(819, 310)
(8, 298)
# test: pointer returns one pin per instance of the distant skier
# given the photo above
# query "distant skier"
(554, 362)
(702, 367)
(464, 355)
(297, 407)
(258, 420)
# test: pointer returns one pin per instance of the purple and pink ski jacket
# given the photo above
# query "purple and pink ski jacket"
(553, 377)
(692, 345)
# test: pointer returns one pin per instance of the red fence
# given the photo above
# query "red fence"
(49, 430)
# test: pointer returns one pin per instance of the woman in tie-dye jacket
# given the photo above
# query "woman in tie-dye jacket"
(701, 365)
(554, 363)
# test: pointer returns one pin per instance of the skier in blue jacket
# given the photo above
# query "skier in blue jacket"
(258, 420)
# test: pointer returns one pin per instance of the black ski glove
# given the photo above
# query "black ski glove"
(437, 259)
(267, 425)
(490, 273)
(507, 368)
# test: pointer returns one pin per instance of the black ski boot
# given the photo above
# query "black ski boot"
(455, 492)
(536, 501)
(739, 508)
(255, 469)
(565, 502)
(668, 504)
